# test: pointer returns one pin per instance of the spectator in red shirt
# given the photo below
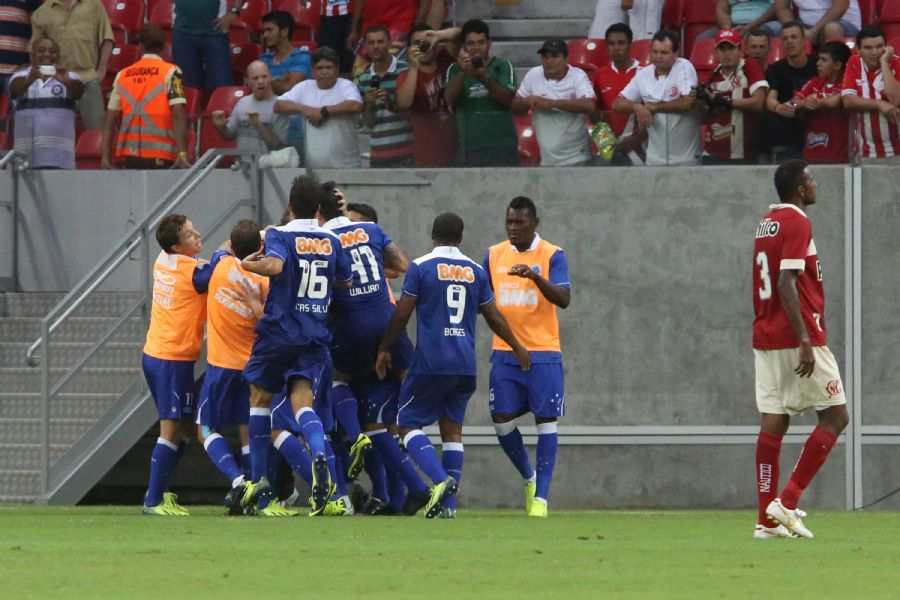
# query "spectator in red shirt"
(827, 125)
(734, 96)
(420, 90)
(397, 15)
(609, 82)
(757, 47)
(871, 89)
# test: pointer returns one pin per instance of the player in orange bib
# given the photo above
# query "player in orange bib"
(530, 279)
(174, 340)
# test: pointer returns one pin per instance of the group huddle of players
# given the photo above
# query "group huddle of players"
(308, 356)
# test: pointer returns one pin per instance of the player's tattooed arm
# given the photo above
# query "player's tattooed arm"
(267, 266)
(498, 324)
(557, 294)
(395, 259)
(790, 300)
(405, 307)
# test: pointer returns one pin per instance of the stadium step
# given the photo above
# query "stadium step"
(27, 405)
(113, 354)
(92, 379)
(75, 329)
(538, 29)
(525, 9)
(38, 304)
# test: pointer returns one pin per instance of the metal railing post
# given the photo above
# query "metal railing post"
(45, 407)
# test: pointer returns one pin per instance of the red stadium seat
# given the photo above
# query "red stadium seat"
(868, 11)
(891, 30)
(640, 51)
(699, 15)
(889, 12)
(850, 41)
(252, 12)
(529, 150)
(587, 51)
(126, 15)
(308, 45)
(224, 99)
(306, 13)
(193, 102)
(703, 57)
(161, 13)
(241, 56)
(895, 44)
(121, 57)
(89, 149)
(673, 14)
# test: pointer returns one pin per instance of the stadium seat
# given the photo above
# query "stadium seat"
(891, 30)
(673, 14)
(529, 151)
(699, 15)
(89, 149)
(308, 45)
(587, 51)
(223, 98)
(126, 15)
(193, 102)
(850, 41)
(640, 51)
(306, 13)
(161, 14)
(895, 44)
(703, 57)
(241, 56)
(252, 12)
(121, 57)
(889, 12)
(868, 11)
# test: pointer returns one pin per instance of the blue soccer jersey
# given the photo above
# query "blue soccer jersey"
(364, 243)
(450, 287)
(296, 310)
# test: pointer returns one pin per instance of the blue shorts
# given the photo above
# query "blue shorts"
(172, 385)
(224, 399)
(355, 339)
(378, 400)
(283, 412)
(540, 391)
(272, 365)
(425, 399)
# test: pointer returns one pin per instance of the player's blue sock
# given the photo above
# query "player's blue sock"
(311, 427)
(293, 451)
(162, 463)
(510, 439)
(341, 456)
(260, 442)
(336, 476)
(546, 458)
(245, 461)
(395, 459)
(220, 455)
(423, 454)
(452, 461)
(377, 475)
(346, 408)
(397, 489)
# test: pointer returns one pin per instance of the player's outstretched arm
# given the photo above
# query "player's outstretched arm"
(402, 313)
(790, 300)
(267, 266)
(559, 295)
(497, 322)
(395, 259)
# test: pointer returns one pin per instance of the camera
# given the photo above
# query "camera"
(424, 46)
(477, 62)
(47, 70)
(375, 82)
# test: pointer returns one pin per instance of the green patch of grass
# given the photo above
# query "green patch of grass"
(114, 552)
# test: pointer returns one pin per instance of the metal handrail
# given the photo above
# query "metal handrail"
(9, 157)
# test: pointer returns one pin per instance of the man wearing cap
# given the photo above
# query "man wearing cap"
(733, 97)
(559, 95)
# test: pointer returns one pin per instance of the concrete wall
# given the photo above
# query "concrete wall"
(659, 328)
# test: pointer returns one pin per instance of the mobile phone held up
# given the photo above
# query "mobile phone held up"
(477, 62)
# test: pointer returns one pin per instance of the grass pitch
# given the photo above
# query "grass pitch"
(114, 552)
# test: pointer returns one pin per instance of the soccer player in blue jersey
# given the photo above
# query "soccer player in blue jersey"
(447, 289)
(303, 263)
(361, 317)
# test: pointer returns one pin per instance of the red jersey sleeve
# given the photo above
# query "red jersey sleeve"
(755, 75)
(851, 76)
(797, 234)
(808, 89)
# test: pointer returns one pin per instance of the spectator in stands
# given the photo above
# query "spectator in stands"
(288, 66)
(822, 19)
(329, 104)
(733, 97)
(784, 140)
(480, 89)
(200, 41)
(827, 126)
(397, 15)
(420, 90)
(611, 79)
(149, 98)
(391, 131)
(257, 128)
(643, 16)
(661, 97)
(85, 38)
(744, 16)
(757, 47)
(334, 30)
(871, 89)
(15, 33)
(560, 95)
(45, 95)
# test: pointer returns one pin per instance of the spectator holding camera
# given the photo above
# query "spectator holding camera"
(391, 131)
(420, 91)
(253, 122)
(329, 104)
(44, 96)
(733, 98)
(480, 89)
(559, 95)
(819, 101)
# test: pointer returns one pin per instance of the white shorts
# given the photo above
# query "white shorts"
(780, 391)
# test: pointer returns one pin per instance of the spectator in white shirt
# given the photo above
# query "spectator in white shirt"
(662, 100)
(329, 105)
(560, 95)
(823, 20)
(643, 16)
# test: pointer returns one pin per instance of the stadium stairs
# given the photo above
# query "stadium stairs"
(519, 28)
